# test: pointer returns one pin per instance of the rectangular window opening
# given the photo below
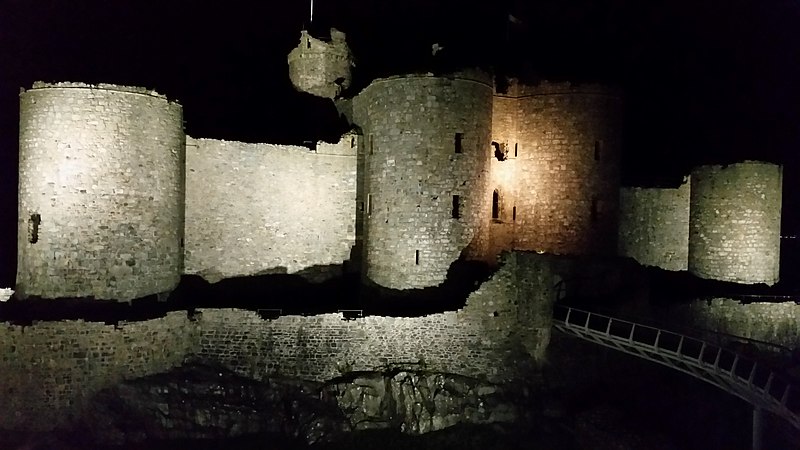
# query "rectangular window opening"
(456, 207)
(33, 228)
(514, 214)
(458, 142)
(416, 257)
(371, 145)
(598, 147)
(369, 205)
(352, 142)
(596, 206)
(516, 150)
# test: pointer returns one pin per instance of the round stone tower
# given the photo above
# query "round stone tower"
(426, 172)
(555, 168)
(101, 199)
(735, 222)
(321, 68)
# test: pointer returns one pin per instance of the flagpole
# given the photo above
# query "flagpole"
(312, 11)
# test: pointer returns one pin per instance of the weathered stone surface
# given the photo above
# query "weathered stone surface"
(418, 402)
(778, 323)
(294, 208)
(5, 294)
(202, 402)
(558, 187)
(50, 369)
(735, 222)
(654, 226)
(501, 333)
(425, 143)
(320, 67)
(101, 199)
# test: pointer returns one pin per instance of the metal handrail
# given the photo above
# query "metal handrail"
(740, 375)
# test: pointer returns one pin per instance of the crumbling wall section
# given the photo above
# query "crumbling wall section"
(504, 326)
(51, 369)
(320, 67)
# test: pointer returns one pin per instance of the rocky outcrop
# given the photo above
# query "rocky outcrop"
(201, 402)
(417, 402)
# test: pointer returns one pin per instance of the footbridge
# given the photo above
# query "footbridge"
(765, 387)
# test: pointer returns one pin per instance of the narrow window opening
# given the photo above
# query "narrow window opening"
(369, 204)
(371, 145)
(308, 43)
(361, 207)
(495, 205)
(516, 149)
(500, 151)
(458, 142)
(182, 243)
(33, 228)
(514, 214)
(416, 257)
(598, 147)
(596, 209)
(456, 207)
(352, 142)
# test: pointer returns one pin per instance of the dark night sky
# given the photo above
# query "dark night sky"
(705, 81)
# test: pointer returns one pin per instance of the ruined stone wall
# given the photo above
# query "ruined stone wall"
(735, 222)
(51, 369)
(778, 323)
(319, 67)
(568, 143)
(262, 208)
(654, 226)
(427, 140)
(101, 199)
(505, 323)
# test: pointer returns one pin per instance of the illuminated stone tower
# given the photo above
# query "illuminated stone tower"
(735, 222)
(555, 168)
(101, 202)
(321, 68)
(426, 140)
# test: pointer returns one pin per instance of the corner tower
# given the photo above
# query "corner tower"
(735, 222)
(101, 199)
(320, 67)
(426, 173)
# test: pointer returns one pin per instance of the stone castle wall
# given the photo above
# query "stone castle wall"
(261, 208)
(559, 188)
(735, 222)
(101, 199)
(426, 142)
(50, 369)
(778, 323)
(654, 226)
(507, 318)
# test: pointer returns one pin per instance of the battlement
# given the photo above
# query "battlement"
(100, 86)
(474, 75)
(518, 89)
